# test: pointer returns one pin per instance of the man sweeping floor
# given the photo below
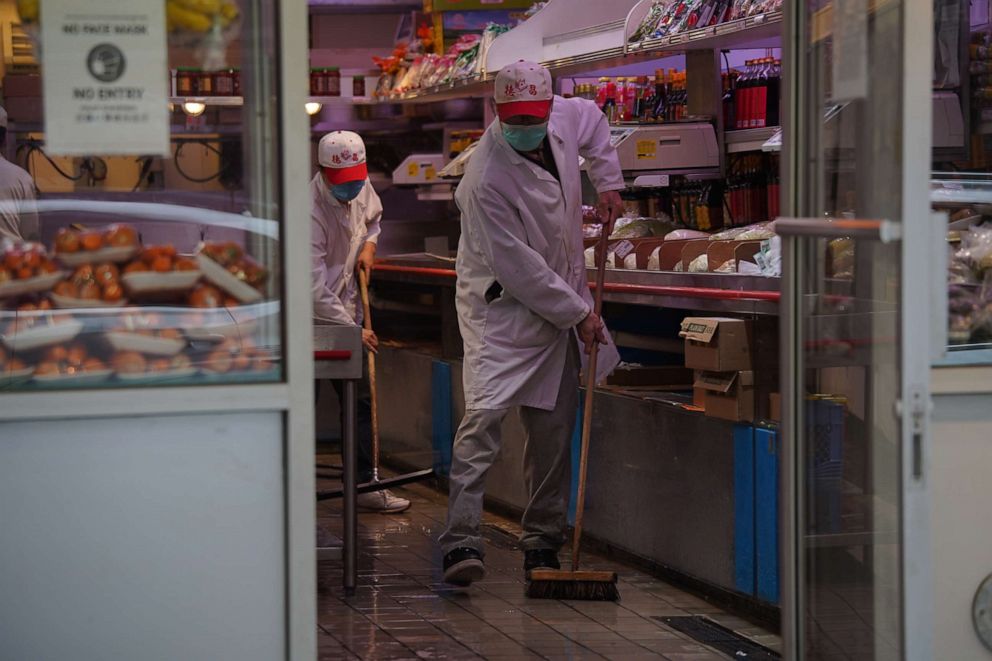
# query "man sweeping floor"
(522, 299)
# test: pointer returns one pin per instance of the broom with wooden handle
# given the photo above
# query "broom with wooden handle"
(576, 584)
(363, 282)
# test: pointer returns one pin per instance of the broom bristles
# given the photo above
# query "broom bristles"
(585, 586)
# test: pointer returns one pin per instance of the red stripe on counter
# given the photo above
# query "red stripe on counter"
(332, 355)
(415, 270)
(690, 292)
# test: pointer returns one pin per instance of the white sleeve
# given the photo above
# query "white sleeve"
(373, 216)
(594, 145)
(519, 269)
(326, 304)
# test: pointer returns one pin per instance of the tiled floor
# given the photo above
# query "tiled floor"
(402, 610)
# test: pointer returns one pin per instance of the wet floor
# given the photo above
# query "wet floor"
(402, 609)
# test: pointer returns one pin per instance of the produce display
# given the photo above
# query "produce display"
(410, 68)
(101, 309)
(668, 17)
(970, 286)
(26, 269)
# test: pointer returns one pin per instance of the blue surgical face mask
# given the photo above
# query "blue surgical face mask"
(348, 191)
(525, 138)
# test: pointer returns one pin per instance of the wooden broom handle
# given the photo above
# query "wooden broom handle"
(363, 282)
(580, 504)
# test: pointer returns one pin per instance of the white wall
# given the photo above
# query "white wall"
(962, 519)
(157, 538)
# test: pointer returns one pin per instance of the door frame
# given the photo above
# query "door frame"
(917, 237)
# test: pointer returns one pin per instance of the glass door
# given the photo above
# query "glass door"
(855, 357)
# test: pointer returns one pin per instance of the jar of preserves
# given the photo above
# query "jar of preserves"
(316, 82)
(358, 86)
(185, 82)
(224, 82)
(236, 74)
(333, 81)
(205, 83)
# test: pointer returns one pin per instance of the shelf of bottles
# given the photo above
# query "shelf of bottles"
(639, 100)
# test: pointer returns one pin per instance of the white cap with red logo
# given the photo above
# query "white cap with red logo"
(341, 155)
(523, 88)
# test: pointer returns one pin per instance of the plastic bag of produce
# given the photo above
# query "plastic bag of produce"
(636, 228)
(630, 261)
(963, 309)
(728, 234)
(654, 259)
(756, 233)
(699, 265)
(590, 254)
(685, 234)
(729, 266)
(592, 231)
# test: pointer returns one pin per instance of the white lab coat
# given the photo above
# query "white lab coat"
(18, 216)
(522, 229)
(337, 234)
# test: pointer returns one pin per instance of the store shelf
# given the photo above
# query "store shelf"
(748, 140)
(761, 31)
(237, 101)
(464, 88)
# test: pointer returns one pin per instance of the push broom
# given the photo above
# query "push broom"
(577, 584)
(376, 484)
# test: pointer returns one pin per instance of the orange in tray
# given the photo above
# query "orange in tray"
(232, 257)
(91, 283)
(205, 296)
(70, 241)
(23, 261)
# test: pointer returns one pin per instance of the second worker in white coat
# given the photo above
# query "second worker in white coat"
(523, 300)
(344, 230)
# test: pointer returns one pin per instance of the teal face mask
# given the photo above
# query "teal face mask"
(525, 138)
(348, 191)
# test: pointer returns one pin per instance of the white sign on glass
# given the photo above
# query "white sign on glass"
(105, 73)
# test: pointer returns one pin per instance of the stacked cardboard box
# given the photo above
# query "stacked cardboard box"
(736, 363)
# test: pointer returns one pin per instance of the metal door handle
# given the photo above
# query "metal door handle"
(885, 231)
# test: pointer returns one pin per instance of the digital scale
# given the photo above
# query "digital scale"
(660, 147)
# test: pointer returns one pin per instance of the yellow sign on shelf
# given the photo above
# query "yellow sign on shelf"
(646, 149)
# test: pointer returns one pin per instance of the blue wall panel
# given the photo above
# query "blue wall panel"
(744, 560)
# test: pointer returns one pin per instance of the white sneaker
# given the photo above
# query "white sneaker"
(382, 501)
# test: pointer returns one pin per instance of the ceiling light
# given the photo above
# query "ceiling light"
(312, 107)
(194, 108)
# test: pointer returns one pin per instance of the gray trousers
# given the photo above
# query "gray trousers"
(546, 470)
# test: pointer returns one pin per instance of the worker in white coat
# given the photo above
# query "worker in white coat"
(523, 300)
(18, 216)
(344, 231)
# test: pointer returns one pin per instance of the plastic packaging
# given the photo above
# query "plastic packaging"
(685, 234)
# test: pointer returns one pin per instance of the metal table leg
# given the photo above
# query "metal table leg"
(349, 450)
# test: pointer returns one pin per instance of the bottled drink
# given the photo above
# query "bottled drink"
(601, 92)
(775, 93)
(661, 96)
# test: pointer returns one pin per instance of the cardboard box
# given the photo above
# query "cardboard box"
(728, 395)
(717, 344)
(775, 406)
(698, 394)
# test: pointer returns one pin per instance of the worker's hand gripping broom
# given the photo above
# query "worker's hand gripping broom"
(576, 584)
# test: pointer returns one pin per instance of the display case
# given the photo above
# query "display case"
(100, 307)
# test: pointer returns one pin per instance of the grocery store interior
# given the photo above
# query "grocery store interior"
(789, 459)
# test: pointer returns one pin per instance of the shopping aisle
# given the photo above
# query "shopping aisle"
(402, 610)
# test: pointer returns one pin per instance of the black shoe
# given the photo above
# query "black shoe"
(463, 566)
(541, 559)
